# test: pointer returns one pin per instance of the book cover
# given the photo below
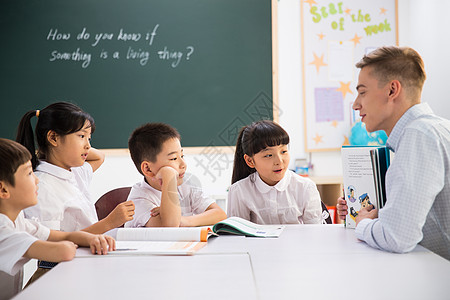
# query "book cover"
(364, 170)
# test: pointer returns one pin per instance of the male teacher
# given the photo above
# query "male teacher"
(417, 209)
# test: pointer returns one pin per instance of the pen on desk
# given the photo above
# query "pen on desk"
(125, 249)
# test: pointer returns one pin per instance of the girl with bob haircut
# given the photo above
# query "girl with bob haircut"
(264, 190)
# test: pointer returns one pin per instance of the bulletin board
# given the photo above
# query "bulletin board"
(334, 36)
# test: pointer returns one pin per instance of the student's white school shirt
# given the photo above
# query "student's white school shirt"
(64, 202)
(15, 239)
(293, 200)
(417, 208)
(192, 201)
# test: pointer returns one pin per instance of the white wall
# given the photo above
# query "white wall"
(423, 25)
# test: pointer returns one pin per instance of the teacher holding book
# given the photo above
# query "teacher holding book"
(417, 209)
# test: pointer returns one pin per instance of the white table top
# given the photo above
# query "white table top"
(306, 261)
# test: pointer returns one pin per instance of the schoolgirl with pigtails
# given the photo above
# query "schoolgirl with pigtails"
(264, 190)
(64, 162)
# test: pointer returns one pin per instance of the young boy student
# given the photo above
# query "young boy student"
(162, 199)
(22, 239)
(417, 209)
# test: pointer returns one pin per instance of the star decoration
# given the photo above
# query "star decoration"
(383, 11)
(318, 62)
(321, 36)
(345, 88)
(347, 11)
(334, 123)
(346, 141)
(356, 39)
(310, 2)
(318, 138)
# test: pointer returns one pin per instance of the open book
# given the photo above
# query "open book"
(364, 170)
(236, 225)
(157, 241)
(181, 240)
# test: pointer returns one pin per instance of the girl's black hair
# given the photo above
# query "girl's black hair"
(251, 140)
(61, 117)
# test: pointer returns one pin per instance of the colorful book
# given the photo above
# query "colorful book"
(364, 170)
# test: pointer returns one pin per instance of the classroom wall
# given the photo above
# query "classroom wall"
(422, 25)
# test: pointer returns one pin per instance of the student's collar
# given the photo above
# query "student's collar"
(148, 186)
(280, 186)
(56, 171)
(4, 219)
(411, 114)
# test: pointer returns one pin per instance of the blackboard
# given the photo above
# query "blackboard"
(203, 66)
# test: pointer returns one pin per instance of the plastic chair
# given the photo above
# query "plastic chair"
(106, 203)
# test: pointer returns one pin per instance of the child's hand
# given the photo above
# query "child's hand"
(155, 211)
(70, 249)
(166, 174)
(342, 208)
(122, 213)
(101, 244)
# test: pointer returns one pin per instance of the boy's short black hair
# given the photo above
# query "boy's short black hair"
(12, 156)
(146, 141)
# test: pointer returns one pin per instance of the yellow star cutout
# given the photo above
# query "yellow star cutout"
(310, 2)
(347, 11)
(346, 141)
(321, 36)
(345, 88)
(318, 138)
(334, 124)
(356, 39)
(318, 62)
(383, 11)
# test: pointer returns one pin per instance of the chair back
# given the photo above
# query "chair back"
(106, 203)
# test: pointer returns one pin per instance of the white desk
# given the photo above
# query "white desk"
(307, 262)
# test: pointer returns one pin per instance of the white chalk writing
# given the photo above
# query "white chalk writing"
(83, 46)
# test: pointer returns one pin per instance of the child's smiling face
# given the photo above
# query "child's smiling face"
(271, 163)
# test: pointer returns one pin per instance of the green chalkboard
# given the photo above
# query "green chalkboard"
(203, 66)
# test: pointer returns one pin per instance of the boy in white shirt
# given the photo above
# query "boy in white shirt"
(162, 199)
(22, 239)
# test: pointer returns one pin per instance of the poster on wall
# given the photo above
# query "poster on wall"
(336, 35)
